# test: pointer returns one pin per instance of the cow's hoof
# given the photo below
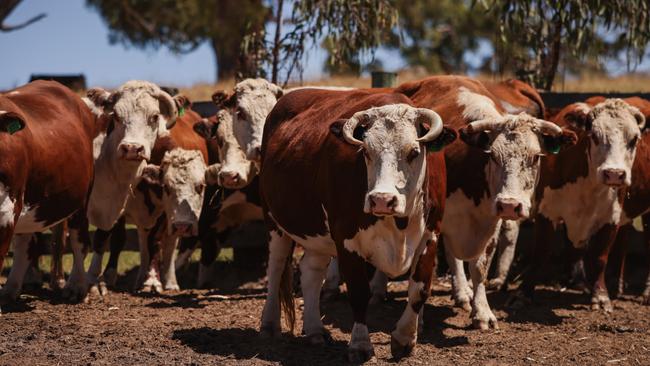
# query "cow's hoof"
(268, 331)
(110, 277)
(319, 338)
(7, 296)
(600, 301)
(360, 355)
(463, 303)
(172, 287)
(645, 300)
(495, 284)
(485, 321)
(518, 301)
(76, 292)
(399, 351)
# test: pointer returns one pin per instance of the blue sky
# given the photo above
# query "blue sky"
(74, 39)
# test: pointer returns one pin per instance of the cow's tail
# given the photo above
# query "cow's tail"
(286, 291)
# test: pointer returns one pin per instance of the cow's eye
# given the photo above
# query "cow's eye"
(199, 187)
(154, 119)
(412, 155)
(632, 144)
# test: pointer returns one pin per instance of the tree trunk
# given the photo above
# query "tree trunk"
(550, 69)
(276, 42)
(225, 58)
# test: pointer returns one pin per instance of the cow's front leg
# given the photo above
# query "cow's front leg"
(646, 236)
(117, 242)
(148, 276)
(77, 287)
(312, 273)
(404, 337)
(506, 248)
(169, 243)
(596, 263)
(378, 287)
(353, 269)
(460, 291)
(280, 249)
(482, 316)
(14, 283)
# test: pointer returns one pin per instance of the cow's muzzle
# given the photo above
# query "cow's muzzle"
(131, 151)
(183, 229)
(382, 203)
(231, 180)
(509, 209)
(614, 177)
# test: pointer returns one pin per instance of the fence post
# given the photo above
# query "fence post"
(382, 79)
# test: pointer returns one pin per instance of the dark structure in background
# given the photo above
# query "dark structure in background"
(76, 82)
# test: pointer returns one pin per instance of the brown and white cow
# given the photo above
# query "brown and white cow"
(490, 177)
(637, 199)
(346, 173)
(171, 186)
(46, 173)
(584, 187)
(136, 114)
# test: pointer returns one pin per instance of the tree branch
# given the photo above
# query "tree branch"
(9, 28)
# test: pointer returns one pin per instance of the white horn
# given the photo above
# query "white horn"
(429, 116)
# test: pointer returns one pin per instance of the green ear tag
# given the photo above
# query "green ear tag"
(14, 126)
(181, 111)
(555, 150)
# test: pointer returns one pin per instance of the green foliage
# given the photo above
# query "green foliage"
(436, 34)
(352, 27)
(184, 25)
(535, 34)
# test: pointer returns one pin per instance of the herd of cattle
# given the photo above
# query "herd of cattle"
(379, 176)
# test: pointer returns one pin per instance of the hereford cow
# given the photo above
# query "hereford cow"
(584, 187)
(172, 187)
(344, 173)
(43, 182)
(490, 177)
(637, 199)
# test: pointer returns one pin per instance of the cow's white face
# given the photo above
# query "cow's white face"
(515, 145)
(394, 155)
(255, 98)
(140, 112)
(181, 175)
(614, 128)
(236, 170)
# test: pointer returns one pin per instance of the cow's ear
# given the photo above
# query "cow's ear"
(212, 174)
(206, 128)
(477, 139)
(152, 174)
(182, 103)
(103, 99)
(446, 137)
(555, 144)
(579, 117)
(223, 99)
(336, 128)
(277, 91)
(11, 123)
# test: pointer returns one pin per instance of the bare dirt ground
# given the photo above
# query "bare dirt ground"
(208, 327)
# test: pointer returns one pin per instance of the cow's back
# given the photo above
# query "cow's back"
(637, 201)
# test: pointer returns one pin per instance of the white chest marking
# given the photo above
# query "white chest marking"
(466, 227)
(388, 248)
(27, 222)
(585, 206)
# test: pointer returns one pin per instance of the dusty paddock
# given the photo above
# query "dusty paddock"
(203, 327)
